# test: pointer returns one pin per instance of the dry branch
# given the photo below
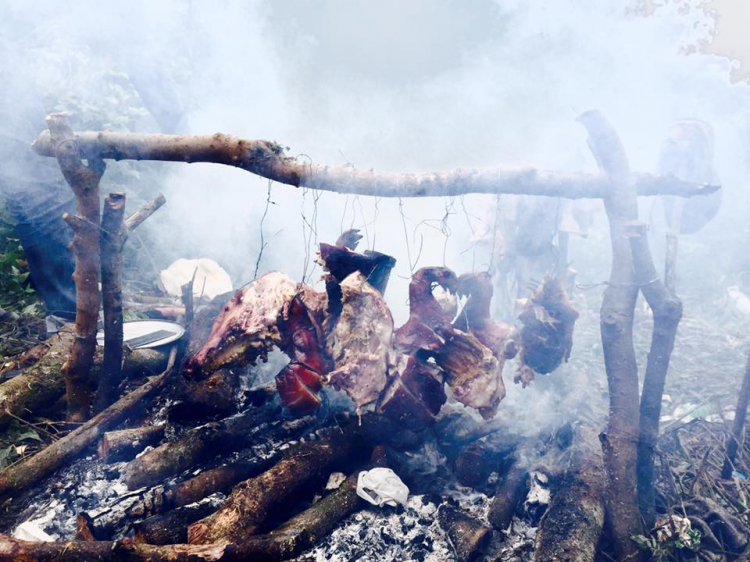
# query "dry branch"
(267, 159)
(667, 309)
(619, 443)
(84, 182)
(32, 469)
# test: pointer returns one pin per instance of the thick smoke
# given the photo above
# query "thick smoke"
(394, 86)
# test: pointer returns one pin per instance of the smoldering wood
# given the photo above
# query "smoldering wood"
(302, 468)
(197, 445)
(571, 528)
(171, 527)
(124, 444)
(42, 464)
(111, 244)
(42, 384)
(619, 442)
(267, 159)
(738, 425)
(287, 541)
(667, 312)
(512, 491)
(125, 550)
(467, 534)
(84, 182)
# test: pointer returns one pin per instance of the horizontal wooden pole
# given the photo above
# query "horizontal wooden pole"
(267, 159)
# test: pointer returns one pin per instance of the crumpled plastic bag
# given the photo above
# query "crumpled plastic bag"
(210, 279)
(382, 486)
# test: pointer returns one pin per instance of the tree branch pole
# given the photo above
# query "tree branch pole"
(267, 159)
(114, 234)
(667, 310)
(619, 442)
(84, 182)
(740, 415)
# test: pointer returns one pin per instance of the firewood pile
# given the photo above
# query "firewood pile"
(197, 464)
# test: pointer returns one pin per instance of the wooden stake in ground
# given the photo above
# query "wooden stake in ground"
(111, 244)
(84, 181)
(619, 442)
(114, 234)
(740, 415)
(667, 309)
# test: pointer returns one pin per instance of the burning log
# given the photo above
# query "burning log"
(125, 550)
(84, 182)
(467, 535)
(303, 467)
(287, 541)
(41, 384)
(196, 445)
(267, 160)
(571, 528)
(125, 444)
(31, 470)
(171, 527)
(509, 494)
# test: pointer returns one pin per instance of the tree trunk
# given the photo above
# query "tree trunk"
(267, 159)
(667, 310)
(84, 182)
(619, 442)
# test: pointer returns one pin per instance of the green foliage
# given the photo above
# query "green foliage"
(665, 549)
(14, 442)
(15, 292)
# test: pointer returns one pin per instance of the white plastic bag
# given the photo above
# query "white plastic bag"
(382, 486)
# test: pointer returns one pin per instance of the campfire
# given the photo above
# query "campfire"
(284, 421)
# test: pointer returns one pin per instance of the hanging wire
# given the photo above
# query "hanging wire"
(263, 242)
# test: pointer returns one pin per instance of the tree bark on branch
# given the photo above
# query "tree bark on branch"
(667, 310)
(114, 234)
(267, 159)
(619, 442)
(84, 181)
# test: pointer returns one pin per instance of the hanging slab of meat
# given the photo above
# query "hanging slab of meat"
(249, 324)
(548, 321)
(414, 395)
(428, 323)
(298, 387)
(360, 342)
(475, 318)
(472, 372)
